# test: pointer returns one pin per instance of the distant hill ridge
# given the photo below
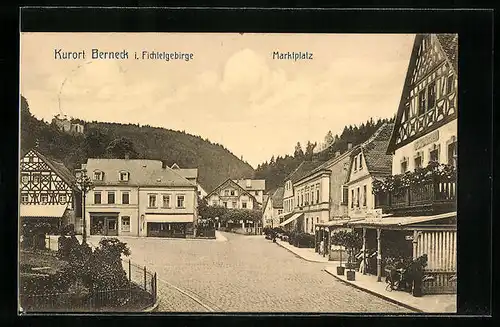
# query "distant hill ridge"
(214, 162)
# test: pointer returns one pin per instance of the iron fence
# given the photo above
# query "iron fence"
(142, 289)
(142, 277)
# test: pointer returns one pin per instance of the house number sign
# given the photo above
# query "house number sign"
(427, 139)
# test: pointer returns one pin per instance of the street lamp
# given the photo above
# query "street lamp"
(85, 185)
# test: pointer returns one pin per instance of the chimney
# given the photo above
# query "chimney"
(127, 156)
(249, 183)
(337, 154)
(163, 164)
(349, 145)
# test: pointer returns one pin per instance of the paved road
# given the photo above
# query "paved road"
(245, 274)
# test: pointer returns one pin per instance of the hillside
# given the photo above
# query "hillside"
(214, 162)
(277, 169)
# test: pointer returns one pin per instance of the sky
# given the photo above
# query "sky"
(232, 92)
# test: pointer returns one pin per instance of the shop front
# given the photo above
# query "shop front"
(105, 224)
(173, 226)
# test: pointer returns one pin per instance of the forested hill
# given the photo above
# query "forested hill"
(113, 140)
(278, 168)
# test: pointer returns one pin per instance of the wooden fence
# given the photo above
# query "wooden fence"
(441, 250)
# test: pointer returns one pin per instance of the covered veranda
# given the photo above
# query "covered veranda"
(324, 231)
(411, 237)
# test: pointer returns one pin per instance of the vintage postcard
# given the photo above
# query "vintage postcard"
(235, 172)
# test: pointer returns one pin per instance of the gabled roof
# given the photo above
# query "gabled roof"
(302, 170)
(374, 151)
(278, 197)
(326, 164)
(234, 184)
(256, 184)
(449, 46)
(58, 167)
(142, 172)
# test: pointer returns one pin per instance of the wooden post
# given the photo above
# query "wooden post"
(379, 256)
(329, 244)
(415, 243)
(315, 240)
(324, 243)
(364, 250)
(145, 278)
(155, 288)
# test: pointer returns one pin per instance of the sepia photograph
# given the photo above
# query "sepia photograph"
(238, 173)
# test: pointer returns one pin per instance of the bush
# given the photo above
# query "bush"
(304, 240)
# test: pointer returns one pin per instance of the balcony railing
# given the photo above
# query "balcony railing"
(426, 198)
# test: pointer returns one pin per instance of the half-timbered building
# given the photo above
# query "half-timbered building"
(48, 192)
(417, 215)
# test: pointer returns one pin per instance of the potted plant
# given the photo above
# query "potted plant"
(352, 241)
(338, 239)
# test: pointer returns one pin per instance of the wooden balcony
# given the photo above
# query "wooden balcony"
(424, 199)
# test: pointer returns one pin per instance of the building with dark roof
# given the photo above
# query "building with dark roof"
(139, 197)
(273, 207)
(368, 161)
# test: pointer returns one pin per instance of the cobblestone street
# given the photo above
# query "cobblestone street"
(245, 274)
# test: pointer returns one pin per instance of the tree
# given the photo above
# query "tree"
(309, 150)
(298, 153)
(328, 138)
(95, 143)
(120, 148)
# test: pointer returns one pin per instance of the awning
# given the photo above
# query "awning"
(292, 218)
(338, 222)
(401, 221)
(42, 211)
(170, 218)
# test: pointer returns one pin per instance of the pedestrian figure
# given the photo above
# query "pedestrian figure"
(321, 247)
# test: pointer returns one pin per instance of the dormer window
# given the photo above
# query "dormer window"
(98, 175)
(124, 176)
